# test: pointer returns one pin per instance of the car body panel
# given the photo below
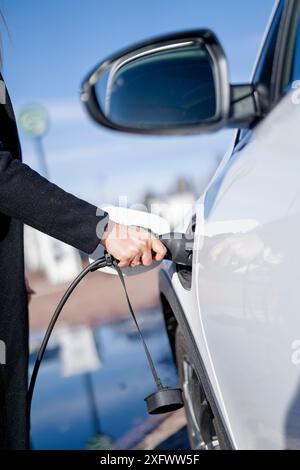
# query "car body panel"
(189, 298)
(246, 282)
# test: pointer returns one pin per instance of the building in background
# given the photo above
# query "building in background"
(58, 261)
(174, 205)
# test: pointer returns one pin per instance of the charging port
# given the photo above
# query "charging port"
(185, 272)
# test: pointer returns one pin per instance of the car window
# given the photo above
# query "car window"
(292, 60)
(263, 72)
(264, 68)
(296, 63)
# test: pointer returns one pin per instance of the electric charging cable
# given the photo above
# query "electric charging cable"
(164, 399)
(99, 263)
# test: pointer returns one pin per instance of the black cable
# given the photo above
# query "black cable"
(105, 261)
(100, 263)
(150, 361)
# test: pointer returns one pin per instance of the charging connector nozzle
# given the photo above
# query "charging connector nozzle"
(179, 248)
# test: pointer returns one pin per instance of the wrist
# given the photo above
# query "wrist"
(108, 229)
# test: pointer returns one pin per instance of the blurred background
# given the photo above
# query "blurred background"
(92, 383)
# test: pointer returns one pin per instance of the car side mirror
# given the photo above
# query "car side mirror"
(175, 84)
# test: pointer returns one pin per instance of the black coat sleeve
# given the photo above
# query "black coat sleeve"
(27, 196)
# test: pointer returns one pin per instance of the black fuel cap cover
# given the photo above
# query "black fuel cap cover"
(164, 400)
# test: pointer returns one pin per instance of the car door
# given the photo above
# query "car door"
(247, 257)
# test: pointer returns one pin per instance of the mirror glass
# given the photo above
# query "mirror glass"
(166, 86)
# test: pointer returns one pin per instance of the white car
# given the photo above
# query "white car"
(233, 319)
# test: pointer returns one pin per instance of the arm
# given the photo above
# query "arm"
(30, 198)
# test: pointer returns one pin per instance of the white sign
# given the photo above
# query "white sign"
(78, 352)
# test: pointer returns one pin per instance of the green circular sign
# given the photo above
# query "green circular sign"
(34, 120)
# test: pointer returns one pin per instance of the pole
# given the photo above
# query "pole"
(41, 156)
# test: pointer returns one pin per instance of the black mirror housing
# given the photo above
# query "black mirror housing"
(170, 85)
(175, 84)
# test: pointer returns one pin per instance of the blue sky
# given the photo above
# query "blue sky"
(54, 44)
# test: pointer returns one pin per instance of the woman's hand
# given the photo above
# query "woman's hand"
(132, 246)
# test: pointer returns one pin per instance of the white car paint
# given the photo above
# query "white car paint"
(246, 283)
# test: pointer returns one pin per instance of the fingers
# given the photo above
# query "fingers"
(131, 253)
(136, 246)
(147, 257)
(124, 263)
(130, 263)
(136, 261)
(159, 249)
(138, 254)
